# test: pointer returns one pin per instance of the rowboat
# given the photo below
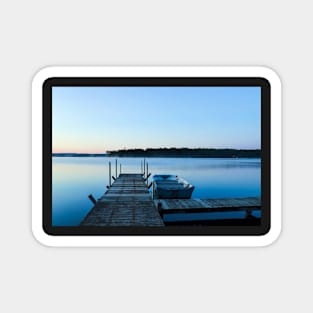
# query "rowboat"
(171, 187)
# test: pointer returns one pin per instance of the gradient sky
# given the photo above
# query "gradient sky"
(97, 119)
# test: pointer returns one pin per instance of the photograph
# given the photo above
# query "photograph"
(156, 156)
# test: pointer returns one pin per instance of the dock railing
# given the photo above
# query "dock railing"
(144, 171)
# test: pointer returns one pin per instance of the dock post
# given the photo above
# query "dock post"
(141, 166)
(147, 175)
(153, 190)
(144, 167)
(248, 213)
(120, 168)
(115, 167)
(92, 199)
(109, 174)
(160, 209)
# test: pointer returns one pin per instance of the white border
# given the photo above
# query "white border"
(156, 241)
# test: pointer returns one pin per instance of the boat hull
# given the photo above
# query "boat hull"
(161, 193)
(171, 187)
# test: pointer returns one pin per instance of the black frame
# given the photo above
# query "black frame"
(229, 230)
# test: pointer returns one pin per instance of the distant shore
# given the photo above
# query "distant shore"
(171, 153)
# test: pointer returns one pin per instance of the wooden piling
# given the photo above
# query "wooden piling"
(93, 200)
(115, 167)
(110, 174)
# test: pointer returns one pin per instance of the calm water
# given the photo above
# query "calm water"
(75, 178)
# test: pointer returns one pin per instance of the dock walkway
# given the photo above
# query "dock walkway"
(208, 205)
(126, 203)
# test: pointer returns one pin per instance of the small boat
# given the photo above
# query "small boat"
(171, 187)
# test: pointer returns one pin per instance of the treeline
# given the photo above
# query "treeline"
(187, 153)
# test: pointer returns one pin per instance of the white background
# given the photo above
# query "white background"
(35, 34)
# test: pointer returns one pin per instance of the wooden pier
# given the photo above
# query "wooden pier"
(167, 206)
(126, 203)
(215, 207)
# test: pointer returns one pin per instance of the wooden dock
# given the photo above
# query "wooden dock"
(167, 206)
(126, 203)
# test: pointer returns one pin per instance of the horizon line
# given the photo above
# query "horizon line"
(145, 149)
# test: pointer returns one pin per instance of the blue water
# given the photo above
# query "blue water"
(74, 178)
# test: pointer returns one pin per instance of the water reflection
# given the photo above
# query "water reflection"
(75, 178)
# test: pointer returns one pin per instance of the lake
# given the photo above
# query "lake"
(74, 178)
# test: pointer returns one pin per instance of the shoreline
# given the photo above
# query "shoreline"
(155, 157)
(170, 153)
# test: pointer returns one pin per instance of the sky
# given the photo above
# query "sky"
(100, 119)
